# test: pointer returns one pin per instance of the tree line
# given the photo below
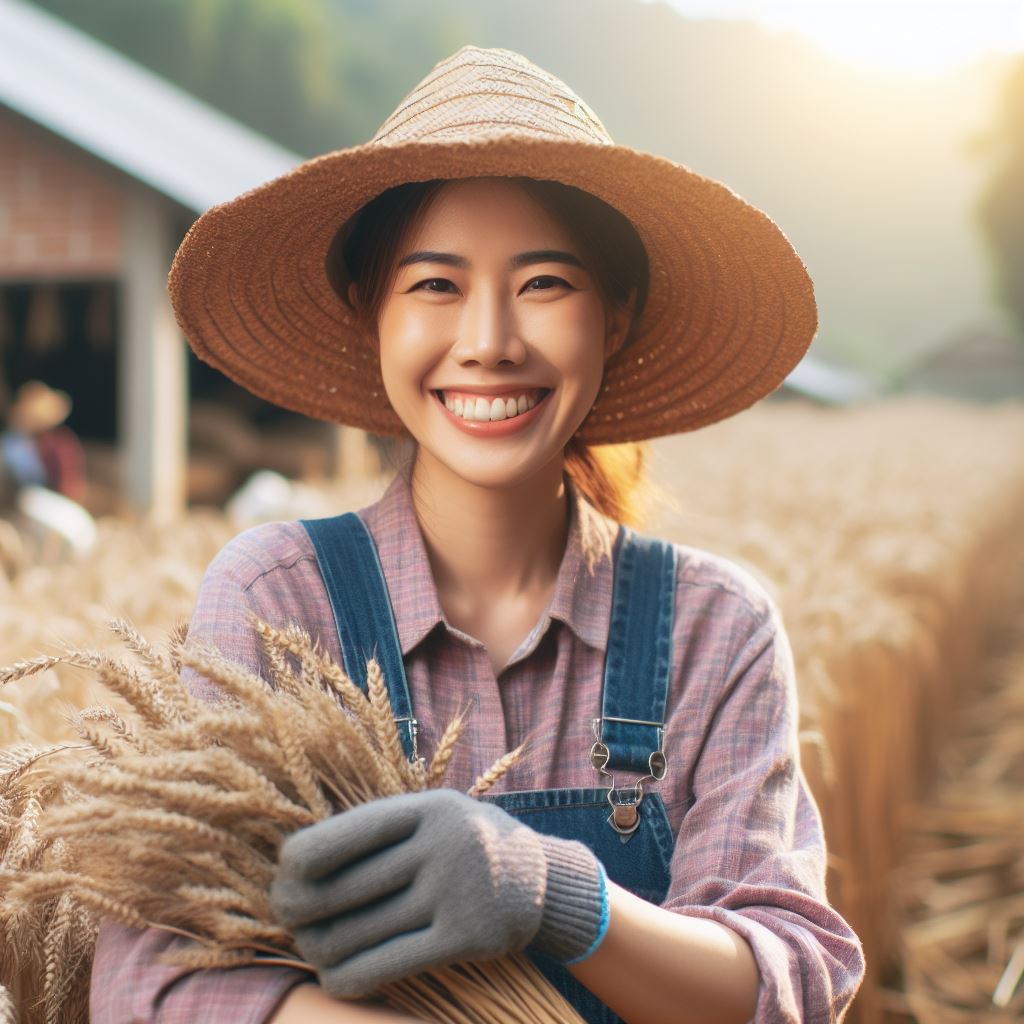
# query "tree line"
(317, 75)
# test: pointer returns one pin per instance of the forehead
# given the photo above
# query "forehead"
(487, 211)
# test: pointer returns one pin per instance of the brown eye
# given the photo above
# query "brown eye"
(431, 281)
(545, 277)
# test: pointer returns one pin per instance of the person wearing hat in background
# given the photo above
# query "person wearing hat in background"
(38, 448)
(492, 278)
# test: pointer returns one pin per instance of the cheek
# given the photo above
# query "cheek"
(418, 325)
(583, 350)
(403, 349)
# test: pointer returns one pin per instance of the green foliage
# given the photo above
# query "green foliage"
(1001, 208)
(313, 75)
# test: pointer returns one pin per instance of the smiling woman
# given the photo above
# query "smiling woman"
(493, 277)
(531, 265)
(373, 255)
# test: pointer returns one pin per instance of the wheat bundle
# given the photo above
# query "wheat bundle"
(172, 817)
(146, 571)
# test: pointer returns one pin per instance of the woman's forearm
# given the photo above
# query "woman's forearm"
(657, 967)
(653, 967)
(310, 1004)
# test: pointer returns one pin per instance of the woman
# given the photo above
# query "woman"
(494, 279)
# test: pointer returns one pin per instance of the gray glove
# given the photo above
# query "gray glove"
(404, 883)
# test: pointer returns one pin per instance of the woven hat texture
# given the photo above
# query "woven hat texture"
(730, 309)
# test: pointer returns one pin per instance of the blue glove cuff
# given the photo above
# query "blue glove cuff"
(602, 927)
(575, 913)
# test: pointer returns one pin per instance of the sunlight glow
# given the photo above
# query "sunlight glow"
(913, 36)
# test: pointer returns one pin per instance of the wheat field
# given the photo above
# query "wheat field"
(888, 533)
(890, 536)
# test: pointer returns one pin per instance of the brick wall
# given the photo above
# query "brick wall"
(60, 209)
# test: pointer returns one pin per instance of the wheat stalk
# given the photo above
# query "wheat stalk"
(496, 771)
(172, 819)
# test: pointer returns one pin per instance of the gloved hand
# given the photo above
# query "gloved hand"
(405, 883)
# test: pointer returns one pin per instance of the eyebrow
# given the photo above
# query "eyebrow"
(523, 259)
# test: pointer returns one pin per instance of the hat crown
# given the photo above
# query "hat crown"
(480, 92)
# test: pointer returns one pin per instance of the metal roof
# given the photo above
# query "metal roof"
(829, 384)
(122, 113)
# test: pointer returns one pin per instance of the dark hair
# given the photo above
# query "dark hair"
(364, 251)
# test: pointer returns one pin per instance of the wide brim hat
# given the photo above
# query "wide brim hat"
(730, 307)
(37, 407)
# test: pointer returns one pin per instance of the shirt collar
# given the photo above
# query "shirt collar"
(582, 597)
(583, 588)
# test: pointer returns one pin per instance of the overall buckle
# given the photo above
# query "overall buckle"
(625, 804)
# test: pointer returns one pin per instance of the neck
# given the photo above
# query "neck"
(487, 543)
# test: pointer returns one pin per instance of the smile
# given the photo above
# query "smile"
(492, 415)
(485, 408)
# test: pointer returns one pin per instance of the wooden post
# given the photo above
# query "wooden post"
(351, 455)
(152, 387)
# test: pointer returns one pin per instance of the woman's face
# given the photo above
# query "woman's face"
(493, 336)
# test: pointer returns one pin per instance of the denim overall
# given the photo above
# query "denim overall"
(634, 842)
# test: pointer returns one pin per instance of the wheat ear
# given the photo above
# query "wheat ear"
(496, 771)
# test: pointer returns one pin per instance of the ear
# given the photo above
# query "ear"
(617, 324)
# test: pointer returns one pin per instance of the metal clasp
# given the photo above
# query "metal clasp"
(413, 733)
(625, 816)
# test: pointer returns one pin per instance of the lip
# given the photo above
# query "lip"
(493, 428)
(505, 392)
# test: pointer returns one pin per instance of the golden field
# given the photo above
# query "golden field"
(890, 536)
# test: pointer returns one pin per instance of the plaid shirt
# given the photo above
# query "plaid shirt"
(749, 853)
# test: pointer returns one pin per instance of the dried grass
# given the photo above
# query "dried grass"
(961, 887)
(172, 818)
(140, 570)
(890, 535)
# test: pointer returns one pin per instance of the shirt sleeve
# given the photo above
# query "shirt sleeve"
(750, 852)
(127, 985)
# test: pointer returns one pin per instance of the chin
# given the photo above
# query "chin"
(492, 469)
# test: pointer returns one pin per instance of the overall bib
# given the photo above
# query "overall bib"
(634, 840)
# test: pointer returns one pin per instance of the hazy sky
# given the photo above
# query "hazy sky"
(908, 36)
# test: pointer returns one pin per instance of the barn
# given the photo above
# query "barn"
(103, 167)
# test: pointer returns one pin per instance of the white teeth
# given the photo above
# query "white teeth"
(485, 410)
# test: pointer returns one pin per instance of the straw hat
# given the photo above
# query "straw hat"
(730, 309)
(37, 407)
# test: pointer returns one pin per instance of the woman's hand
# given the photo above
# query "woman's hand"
(405, 883)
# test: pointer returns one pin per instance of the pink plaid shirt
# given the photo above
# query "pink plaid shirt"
(749, 853)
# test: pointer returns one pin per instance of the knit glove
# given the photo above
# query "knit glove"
(405, 883)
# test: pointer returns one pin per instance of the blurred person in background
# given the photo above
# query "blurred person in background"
(39, 447)
(42, 478)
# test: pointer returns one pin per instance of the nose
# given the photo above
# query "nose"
(488, 335)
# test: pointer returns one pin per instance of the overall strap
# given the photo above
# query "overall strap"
(639, 655)
(355, 583)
